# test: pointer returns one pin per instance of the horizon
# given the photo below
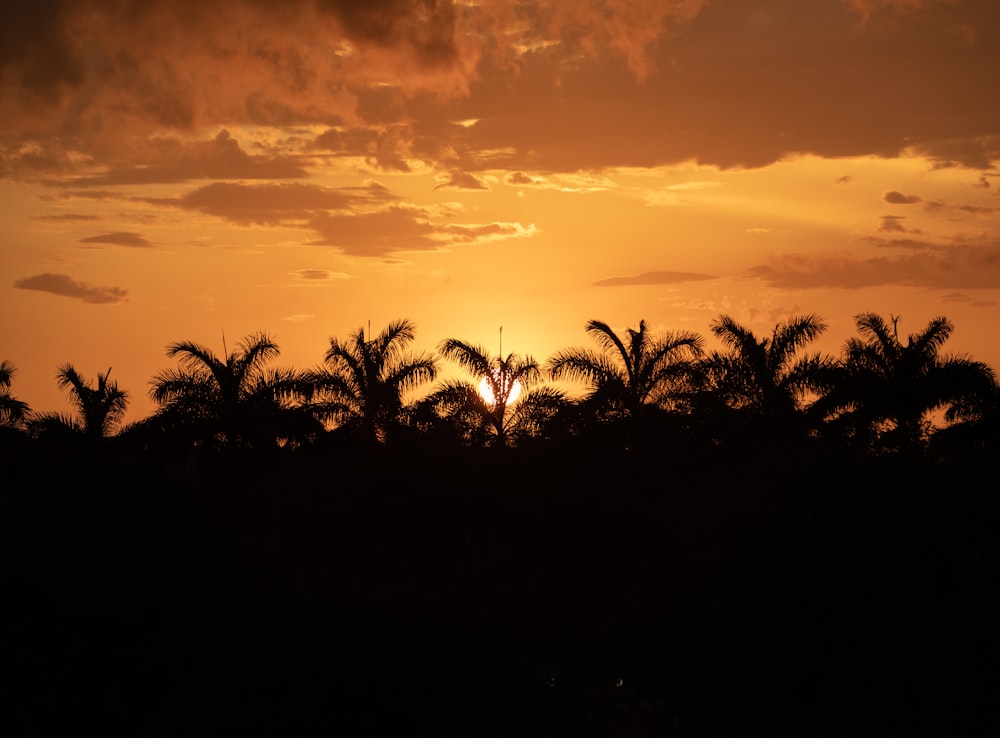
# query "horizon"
(180, 171)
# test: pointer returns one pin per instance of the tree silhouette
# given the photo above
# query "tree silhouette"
(885, 388)
(233, 400)
(99, 408)
(364, 381)
(632, 378)
(505, 417)
(766, 375)
(12, 411)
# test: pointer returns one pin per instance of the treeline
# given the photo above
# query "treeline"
(639, 389)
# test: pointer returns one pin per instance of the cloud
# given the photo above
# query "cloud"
(650, 278)
(274, 204)
(66, 286)
(167, 160)
(898, 198)
(960, 298)
(380, 233)
(894, 224)
(461, 181)
(299, 317)
(179, 63)
(65, 218)
(401, 229)
(119, 238)
(520, 178)
(960, 267)
(910, 244)
(319, 275)
(384, 147)
(108, 90)
(464, 233)
(971, 209)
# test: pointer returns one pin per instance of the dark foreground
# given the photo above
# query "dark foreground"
(484, 594)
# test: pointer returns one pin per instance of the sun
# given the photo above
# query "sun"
(501, 378)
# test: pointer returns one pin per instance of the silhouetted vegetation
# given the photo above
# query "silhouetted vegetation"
(363, 384)
(12, 410)
(752, 539)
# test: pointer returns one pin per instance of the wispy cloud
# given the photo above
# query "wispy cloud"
(319, 275)
(649, 278)
(66, 286)
(400, 229)
(959, 267)
(466, 232)
(65, 218)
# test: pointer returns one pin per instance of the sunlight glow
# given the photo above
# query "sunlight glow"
(486, 388)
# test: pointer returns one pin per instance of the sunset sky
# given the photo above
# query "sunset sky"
(179, 170)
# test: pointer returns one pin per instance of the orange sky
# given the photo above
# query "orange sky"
(178, 170)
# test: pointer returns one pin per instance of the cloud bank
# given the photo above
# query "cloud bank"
(128, 88)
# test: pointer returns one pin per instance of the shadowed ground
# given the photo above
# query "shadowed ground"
(499, 594)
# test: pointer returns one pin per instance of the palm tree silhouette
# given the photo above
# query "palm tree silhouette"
(99, 408)
(232, 400)
(504, 416)
(12, 411)
(630, 378)
(364, 381)
(765, 375)
(886, 388)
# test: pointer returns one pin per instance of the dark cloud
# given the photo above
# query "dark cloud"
(846, 179)
(273, 204)
(119, 238)
(552, 86)
(376, 234)
(462, 181)
(898, 198)
(807, 73)
(381, 148)
(520, 178)
(66, 286)
(428, 28)
(175, 161)
(648, 278)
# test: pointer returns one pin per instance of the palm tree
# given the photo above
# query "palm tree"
(12, 411)
(765, 375)
(633, 377)
(886, 388)
(364, 381)
(233, 400)
(99, 408)
(504, 400)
